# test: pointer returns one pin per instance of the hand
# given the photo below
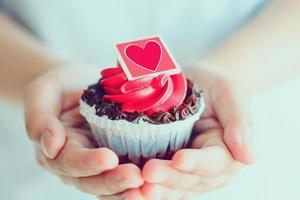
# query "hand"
(221, 142)
(208, 164)
(61, 135)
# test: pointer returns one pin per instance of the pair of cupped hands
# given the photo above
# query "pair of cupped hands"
(63, 144)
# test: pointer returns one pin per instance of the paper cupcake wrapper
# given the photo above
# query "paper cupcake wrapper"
(143, 140)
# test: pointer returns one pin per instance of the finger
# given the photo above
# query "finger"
(163, 173)
(210, 158)
(73, 118)
(232, 109)
(204, 124)
(66, 179)
(70, 98)
(207, 162)
(78, 161)
(42, 107)
(159, 192)
(111, 182)
(132, 194)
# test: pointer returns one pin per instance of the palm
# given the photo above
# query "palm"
(226, 109)
(52, 103)
(217, 137)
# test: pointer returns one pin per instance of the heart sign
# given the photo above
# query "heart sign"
(146, 57)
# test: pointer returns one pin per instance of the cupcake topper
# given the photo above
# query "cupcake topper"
(146, 58)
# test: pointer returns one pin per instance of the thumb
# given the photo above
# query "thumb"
(42, 104)
(232, 109)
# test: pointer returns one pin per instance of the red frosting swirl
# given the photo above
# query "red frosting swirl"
(148, 95)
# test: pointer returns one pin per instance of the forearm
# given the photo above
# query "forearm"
(264, 52)
(22, 58)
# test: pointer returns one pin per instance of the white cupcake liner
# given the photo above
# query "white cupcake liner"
(143, 140)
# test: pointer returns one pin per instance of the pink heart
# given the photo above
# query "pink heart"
(147, 57)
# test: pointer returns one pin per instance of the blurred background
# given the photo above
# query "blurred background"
(276, 174)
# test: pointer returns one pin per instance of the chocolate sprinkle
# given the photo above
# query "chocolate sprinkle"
(93, 96)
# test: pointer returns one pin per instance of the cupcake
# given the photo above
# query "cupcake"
(144, 107)
(150, 117)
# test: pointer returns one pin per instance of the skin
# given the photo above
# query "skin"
(96, 170)
(207, 164)
(58, 131)
(93, 170)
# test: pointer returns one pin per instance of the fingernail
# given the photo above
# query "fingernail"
(45, 140)
(251, 151)
(160, 176)
(248, 142)
(123, 182)
(186, 164)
